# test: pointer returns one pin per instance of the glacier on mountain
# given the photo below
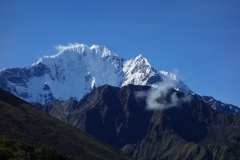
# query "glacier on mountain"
(77, 69)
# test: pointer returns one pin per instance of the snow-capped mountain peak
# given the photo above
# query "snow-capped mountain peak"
(139, 56)
(138, 71)
(74, 52)
(179, 85)
(73, 72)
(76, 70)
(170, 75)
(104, 51)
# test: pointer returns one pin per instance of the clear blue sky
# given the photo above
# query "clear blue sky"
(199, 38)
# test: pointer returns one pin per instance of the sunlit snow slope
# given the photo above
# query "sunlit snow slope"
(74, 71)
(77, 69)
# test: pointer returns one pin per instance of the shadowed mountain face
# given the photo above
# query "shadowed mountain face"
(78, 69)
(189, 129)
(20, 121)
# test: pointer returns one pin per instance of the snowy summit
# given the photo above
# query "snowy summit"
(77, 69)
(74, 71)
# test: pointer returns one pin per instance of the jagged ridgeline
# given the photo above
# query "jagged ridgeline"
(77, 69)
(185, 128)
(30, 133)
(145, 113)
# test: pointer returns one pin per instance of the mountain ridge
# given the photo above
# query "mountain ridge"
(189, 129)
(20, 121)
(77, 69)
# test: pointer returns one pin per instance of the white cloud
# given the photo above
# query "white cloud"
(160, 97)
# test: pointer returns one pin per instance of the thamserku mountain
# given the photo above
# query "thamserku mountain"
(78, 69)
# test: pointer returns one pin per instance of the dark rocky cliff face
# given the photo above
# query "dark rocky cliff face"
(190, 130)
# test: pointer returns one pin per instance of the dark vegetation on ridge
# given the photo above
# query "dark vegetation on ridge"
(191, 130)
(37, 131)
(20, 150)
